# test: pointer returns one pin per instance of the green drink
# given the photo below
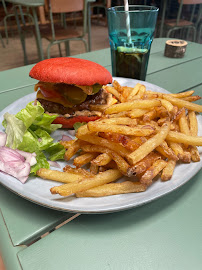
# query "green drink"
(130, 40)
(130, 63)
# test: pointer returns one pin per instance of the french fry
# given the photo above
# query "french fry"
(152, 172)
(94, 168)
(150, 95)
(167, 105)
(118, 121)
(137, 113)
(192, 98)
(117, 86)
(180, 153)
(193, 123)
(183, 94)
(183, 124)
(122, 165)
(182, 103)
(140, 93)
(116, 115)
(193, 127)
(102, 159)
(161, 112)
(178, 115)
(166, 151)
(84, 159)
(67, 144)
(83, 131)
(159, 94)
(73, 148)
(167, 172)
(195, 156)
(63, 177)
(78, 171)
(149, 145)
(143, 165)
(113, 189)
(134, 92)
(139, 130)
(107, 144)
(126, 92)
(138, 104)
(129, 143)
(179, 137)
(110, 165)
(161, 121)
(114, 92)
(98, 180)
(148, 116)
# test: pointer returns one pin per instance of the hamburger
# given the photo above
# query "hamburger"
(69, 86)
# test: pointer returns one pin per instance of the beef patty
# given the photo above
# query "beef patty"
(101, 98)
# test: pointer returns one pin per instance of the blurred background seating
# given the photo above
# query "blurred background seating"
(12, 53)
(186, 20)
(63, 32)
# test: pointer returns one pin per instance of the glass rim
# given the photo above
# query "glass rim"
(145, 8)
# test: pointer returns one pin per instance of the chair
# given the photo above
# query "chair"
(101, 8)
(180, 23)
(199, 26)
(64, 34)
(9, 13)
(2, 42)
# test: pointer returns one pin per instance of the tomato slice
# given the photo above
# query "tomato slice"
(49, 93)
(69, 122)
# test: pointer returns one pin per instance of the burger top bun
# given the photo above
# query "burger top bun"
(70, 71)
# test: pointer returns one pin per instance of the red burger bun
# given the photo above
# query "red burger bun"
(70, 71)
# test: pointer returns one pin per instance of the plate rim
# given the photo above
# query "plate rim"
(111, 209)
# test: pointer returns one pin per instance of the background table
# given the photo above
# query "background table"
(164, 234)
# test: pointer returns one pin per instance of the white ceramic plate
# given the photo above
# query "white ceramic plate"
(38, 190)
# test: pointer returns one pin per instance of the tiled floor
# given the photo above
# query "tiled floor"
(12, 55)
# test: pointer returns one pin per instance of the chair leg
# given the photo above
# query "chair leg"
(60, 51)
(194, 34)
(199, 33)
(6, 29)
(86, 45)
(169, 32)
(48, 50)
(67, 48)
(22, 38)
(2, 42)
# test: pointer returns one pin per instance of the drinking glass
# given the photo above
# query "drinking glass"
(131, 34)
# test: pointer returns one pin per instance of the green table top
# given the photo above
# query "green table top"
(164, 234)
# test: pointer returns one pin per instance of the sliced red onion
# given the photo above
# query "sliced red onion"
(11, 162)
(54, 164)
(3, 137)
(66, 138)
(7, 154)
(72, 132)
(30, 157)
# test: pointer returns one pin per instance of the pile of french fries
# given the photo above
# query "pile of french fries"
(144, 135)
